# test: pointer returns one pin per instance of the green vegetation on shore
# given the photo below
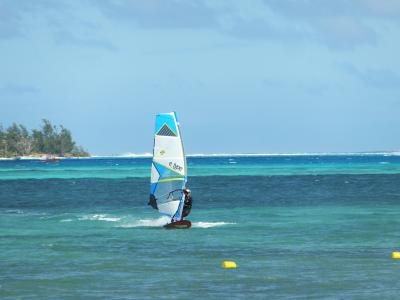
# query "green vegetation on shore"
(16, 140)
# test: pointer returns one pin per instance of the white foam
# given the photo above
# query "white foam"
(99, 217)
(388, 153)
(147, 223)
(164, 220)
(147, 154)
(124, 155)
(130, 154)
(210, 224)
(14, 211)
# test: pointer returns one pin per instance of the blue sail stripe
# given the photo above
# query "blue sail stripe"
(162, 119)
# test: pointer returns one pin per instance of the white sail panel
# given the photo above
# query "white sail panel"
(168, 151)
(169, 208)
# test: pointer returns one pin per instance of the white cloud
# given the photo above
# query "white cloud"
(378, 78)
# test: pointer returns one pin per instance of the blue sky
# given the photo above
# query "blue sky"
(244, 76)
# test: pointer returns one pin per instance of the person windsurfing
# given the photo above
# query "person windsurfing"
(187, 206)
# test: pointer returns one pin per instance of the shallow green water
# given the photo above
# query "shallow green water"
(117, 168)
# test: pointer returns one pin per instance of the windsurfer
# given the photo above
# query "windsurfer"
(187, 202)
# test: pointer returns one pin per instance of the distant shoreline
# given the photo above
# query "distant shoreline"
(205, 155)
(42, 157)
(50, 142)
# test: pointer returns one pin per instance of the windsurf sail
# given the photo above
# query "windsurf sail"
(168, 168)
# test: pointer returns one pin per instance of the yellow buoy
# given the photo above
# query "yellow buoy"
(395, 254)
(229, 265)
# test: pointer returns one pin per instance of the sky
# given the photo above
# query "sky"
(260, 76)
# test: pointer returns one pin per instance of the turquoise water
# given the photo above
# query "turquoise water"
(204, 166)
(312, 230)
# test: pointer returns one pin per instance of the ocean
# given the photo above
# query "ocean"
(298, 227)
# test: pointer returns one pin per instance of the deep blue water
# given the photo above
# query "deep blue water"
(307, 227)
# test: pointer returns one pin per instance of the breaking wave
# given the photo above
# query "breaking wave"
(164, 220)
(210, 224)
(389, 153)
(99, 217)
(147, 223)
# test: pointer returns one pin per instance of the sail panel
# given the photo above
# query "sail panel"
(168, 171)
